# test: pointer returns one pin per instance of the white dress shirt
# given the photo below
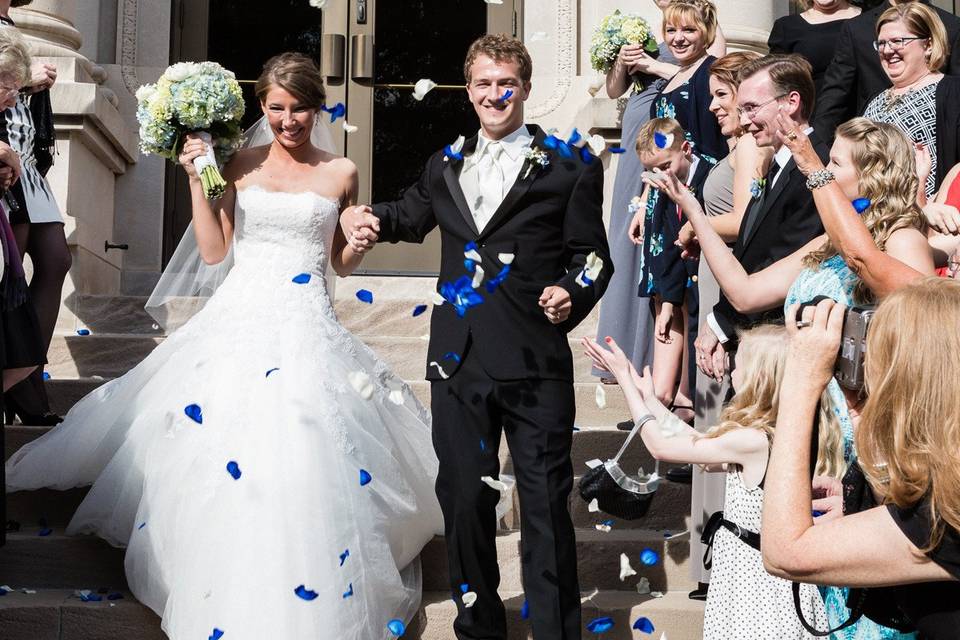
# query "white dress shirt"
(482, 170)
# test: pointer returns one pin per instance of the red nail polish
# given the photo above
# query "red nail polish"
(608, 339)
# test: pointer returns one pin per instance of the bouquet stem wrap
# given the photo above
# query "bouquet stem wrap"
(206, 165)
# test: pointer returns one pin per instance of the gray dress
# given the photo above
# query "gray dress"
(623, 314)
(708, 488)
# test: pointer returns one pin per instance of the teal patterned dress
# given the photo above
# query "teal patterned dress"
(835, 280)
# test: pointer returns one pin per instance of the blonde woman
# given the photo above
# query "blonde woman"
(743, 600)
(908, 441)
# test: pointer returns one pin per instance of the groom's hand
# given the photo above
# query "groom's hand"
(360, 227)
(556, 304)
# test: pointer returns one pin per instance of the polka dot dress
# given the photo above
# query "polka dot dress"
(745, 602)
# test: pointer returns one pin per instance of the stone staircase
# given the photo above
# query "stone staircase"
(54, 566)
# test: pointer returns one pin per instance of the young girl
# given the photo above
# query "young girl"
(743, 600)
(665, 278)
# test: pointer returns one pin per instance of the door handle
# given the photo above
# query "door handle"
(333, 56)
(361, 64)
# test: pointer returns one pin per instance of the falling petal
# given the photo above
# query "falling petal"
(617, 150)
(29, 592)
(663, 636)
(594, 506)
(396, 627)
(861, 204)
(365, 296)
(464, 587)
(305, 594)
(46, 376)
(46, 531)
(649, 557)
(350, 128)
(597, 144)
(478, 276)
(502, 100)
(115, 596)
(420, 309)
(643, 587)
(663, 140)
(194, 412)
(600, 625)
(601, 396)
(86, 595)
(437, 299)
(656, 594)
(473, 255)
(396, 396)
(338, 110)
(505, 258)
(83, 332)
(216, 635)
(452, 356)
(142, 525)
(494, 484)
(365, 477)
(525, 610)
(643, 625)
(493, 1)
(538, 36)
(461, 294)
(422, 88)
(625, 569)
(234, 470)
(349, 592)
(443, 374)
(469, 599)
(344, 556)
(6, 589)
(453, 151)
(361, 383)
(591, 270)
(303, 278)
(605, 528)
(483, 445)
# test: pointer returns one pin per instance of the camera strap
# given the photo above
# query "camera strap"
(857, 598)
(713, 525)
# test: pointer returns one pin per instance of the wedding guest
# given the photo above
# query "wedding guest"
(905, 527)
(665, 278)
(38, 221)
(813, 33)
(744, 601)
(855, 76)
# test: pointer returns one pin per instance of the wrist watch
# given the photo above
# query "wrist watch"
(820, 178)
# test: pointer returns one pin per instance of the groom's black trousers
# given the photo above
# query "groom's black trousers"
(470, 411)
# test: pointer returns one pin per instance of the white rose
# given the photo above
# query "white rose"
(180, 71)
(146, 92)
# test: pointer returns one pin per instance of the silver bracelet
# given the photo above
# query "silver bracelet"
(820, 178)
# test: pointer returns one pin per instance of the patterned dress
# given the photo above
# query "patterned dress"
(835, 280)
(914, 113)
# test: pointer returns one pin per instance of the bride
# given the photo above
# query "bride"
(262, 484)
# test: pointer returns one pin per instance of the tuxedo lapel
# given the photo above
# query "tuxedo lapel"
(452, 178)
(771, 199)
(528, 173)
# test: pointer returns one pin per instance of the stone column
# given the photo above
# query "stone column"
(94, 143)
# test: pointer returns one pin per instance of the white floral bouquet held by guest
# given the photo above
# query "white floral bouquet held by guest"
(191, 97)
(615, 31)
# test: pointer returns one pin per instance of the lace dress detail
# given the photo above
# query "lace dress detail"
(217, 545)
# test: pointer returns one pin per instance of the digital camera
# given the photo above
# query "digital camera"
(853, 344)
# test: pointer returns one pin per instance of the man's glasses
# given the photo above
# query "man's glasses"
(751, 109)
(895, 44)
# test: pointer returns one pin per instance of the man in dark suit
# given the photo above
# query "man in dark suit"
(782, 217)
(505, 365)
(855, 76)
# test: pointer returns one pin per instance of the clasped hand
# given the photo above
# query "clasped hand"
(360, 227)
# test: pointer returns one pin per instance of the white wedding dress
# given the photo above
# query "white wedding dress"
(291, 477)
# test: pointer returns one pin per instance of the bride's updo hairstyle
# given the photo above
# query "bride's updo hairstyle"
(296, 74)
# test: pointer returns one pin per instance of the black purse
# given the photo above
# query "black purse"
(616, 492)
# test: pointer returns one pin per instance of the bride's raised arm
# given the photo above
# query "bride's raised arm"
(212, 220)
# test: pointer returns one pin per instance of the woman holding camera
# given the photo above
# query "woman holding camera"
(908, 445)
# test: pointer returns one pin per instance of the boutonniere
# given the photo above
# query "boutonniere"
(454, 151)
(757, 187)
(536, 157)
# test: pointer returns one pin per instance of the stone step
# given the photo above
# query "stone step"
(86, 562)
(56, 614)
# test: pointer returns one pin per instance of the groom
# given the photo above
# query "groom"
(505, 366)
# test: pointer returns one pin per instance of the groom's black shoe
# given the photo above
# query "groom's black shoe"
(682, 474)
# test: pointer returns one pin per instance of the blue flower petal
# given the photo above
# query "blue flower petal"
(349, 592)
(649, 557)
(585, 155)
(420, 309)
(46, 375)
(470, 246)
(305, 594)
(274, 370)
(83, 332)
(525, 610)
(303, 278)
(194, 412)
(365, 477)
(3, 592)
(617, 150)
(142, 525)
(643, 625)
(470, 265)
(234, 469)
(461, 295)
(216, 635)
(365, 296)
(483, 445)
(338, 110)
(43, 533)
(344, 556)
(861, 204)
(90, 597)
(115, 596)
(452, 356)
(506, 96)
(600, 625)
(660, 140)
(396, 627)
(464, 587)
(450, 153)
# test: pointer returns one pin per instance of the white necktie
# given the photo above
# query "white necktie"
(491, 181)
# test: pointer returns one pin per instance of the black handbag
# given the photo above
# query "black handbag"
(616, 492)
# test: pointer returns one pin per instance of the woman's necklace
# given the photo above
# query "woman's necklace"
(892, 99)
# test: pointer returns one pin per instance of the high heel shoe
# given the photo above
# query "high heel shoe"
(12, 411)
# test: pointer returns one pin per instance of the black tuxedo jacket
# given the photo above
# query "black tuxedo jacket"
(855, 76)
(551, 220)
(788, 220)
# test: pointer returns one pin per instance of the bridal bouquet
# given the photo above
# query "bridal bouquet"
(193, 97)
(616, 30)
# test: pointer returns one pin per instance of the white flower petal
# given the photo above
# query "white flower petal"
(361, 383)
(605, 528)
(6, 588)
(594, 506)
(597, 144)
(643, 587)
(493, 1)
(443, 374)
(478, 275)
(537, 36)
(473, 254)
(593, 464)
(506, 258)
(657, 594)
(469, 599)
(422, 88)
(437, 299)
(601, 397)
(349, 128)
(625, 569)
(457, 145)
(494, 484)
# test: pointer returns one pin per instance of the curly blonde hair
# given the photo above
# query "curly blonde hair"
(699, 12)
(760, 360)
(908, 439)
(886, 165)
